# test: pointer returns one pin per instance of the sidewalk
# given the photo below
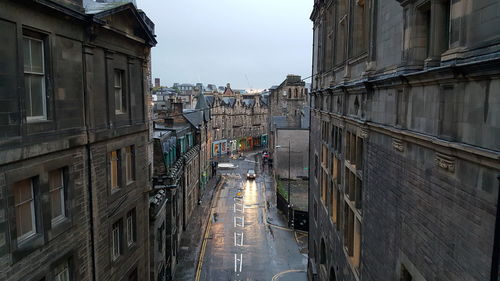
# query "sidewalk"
(192, 238)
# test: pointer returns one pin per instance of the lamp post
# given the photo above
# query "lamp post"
(289, 202)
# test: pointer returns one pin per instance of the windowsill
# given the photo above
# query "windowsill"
(37, 121)
(60, 226)
(120, 112)
(26, 247)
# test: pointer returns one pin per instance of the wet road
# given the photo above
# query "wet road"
(240, 244)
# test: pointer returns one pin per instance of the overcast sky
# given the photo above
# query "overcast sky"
(230, 41)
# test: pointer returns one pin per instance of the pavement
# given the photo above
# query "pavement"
(190, 247)
(240, 234)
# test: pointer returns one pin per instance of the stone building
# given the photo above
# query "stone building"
(405, 146)
(180, 172)
(238, 122)
(74, 138)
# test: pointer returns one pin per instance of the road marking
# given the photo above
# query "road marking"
(238, 207)
(239, 221)
(277, 276)
(238, 239)
(238, 262)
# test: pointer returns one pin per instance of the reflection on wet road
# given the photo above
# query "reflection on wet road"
(239, 244)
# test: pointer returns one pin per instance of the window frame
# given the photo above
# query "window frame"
(43, 75)
(116, 245)
(115, 187)
(122, 94)
(62, 192)
(28, 235)
(67, 268)
(131, 227)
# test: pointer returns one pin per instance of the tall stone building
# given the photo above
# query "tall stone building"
(405, 134)
(74, 138)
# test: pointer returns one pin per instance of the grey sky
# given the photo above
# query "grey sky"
(221, 41)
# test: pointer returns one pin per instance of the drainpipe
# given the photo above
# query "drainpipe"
(86, 102)
(496, 242)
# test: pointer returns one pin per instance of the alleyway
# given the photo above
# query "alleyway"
(240, 244)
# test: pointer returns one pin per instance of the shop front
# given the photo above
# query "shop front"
(263, 140)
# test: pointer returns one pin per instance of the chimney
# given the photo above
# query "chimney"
(228, 85)
(157, 83)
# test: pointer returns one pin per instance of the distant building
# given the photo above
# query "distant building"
(238, 122)
(288, 112)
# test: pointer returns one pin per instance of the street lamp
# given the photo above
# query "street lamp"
(289, 202)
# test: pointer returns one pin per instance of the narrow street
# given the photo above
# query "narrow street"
(240, 244)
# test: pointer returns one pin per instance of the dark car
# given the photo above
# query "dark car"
(251, 174)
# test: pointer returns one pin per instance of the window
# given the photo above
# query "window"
(160, 237)
(340, 41)
(116, 240)
(115, 172)
(333, 203)
(34, 79)
(359, 28)
(57, 197)
(131, 228)
(25, 209)
(61, 272)
(120, 96)
(324, 186)
(130, 163)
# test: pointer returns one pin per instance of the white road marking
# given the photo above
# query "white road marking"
(239, 221)
(238, 207)
(238, 261)
(238, 239)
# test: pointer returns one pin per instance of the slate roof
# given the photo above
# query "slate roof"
(100, 10)
(92, 7)
(228, 101)
(249, 103)
(210, 100)
(202, 105)
(264, 100)
(195, 117)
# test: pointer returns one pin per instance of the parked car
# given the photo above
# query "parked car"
(251, 174)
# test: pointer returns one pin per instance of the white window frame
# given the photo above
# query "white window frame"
(61, 188)
(31, 201)
(130, 228)
(119, 107)
(61, 273)
(42, 74)
(116, 243)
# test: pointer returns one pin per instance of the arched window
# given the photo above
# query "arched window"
(296, 93)
(322, 256)
(289, 93)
